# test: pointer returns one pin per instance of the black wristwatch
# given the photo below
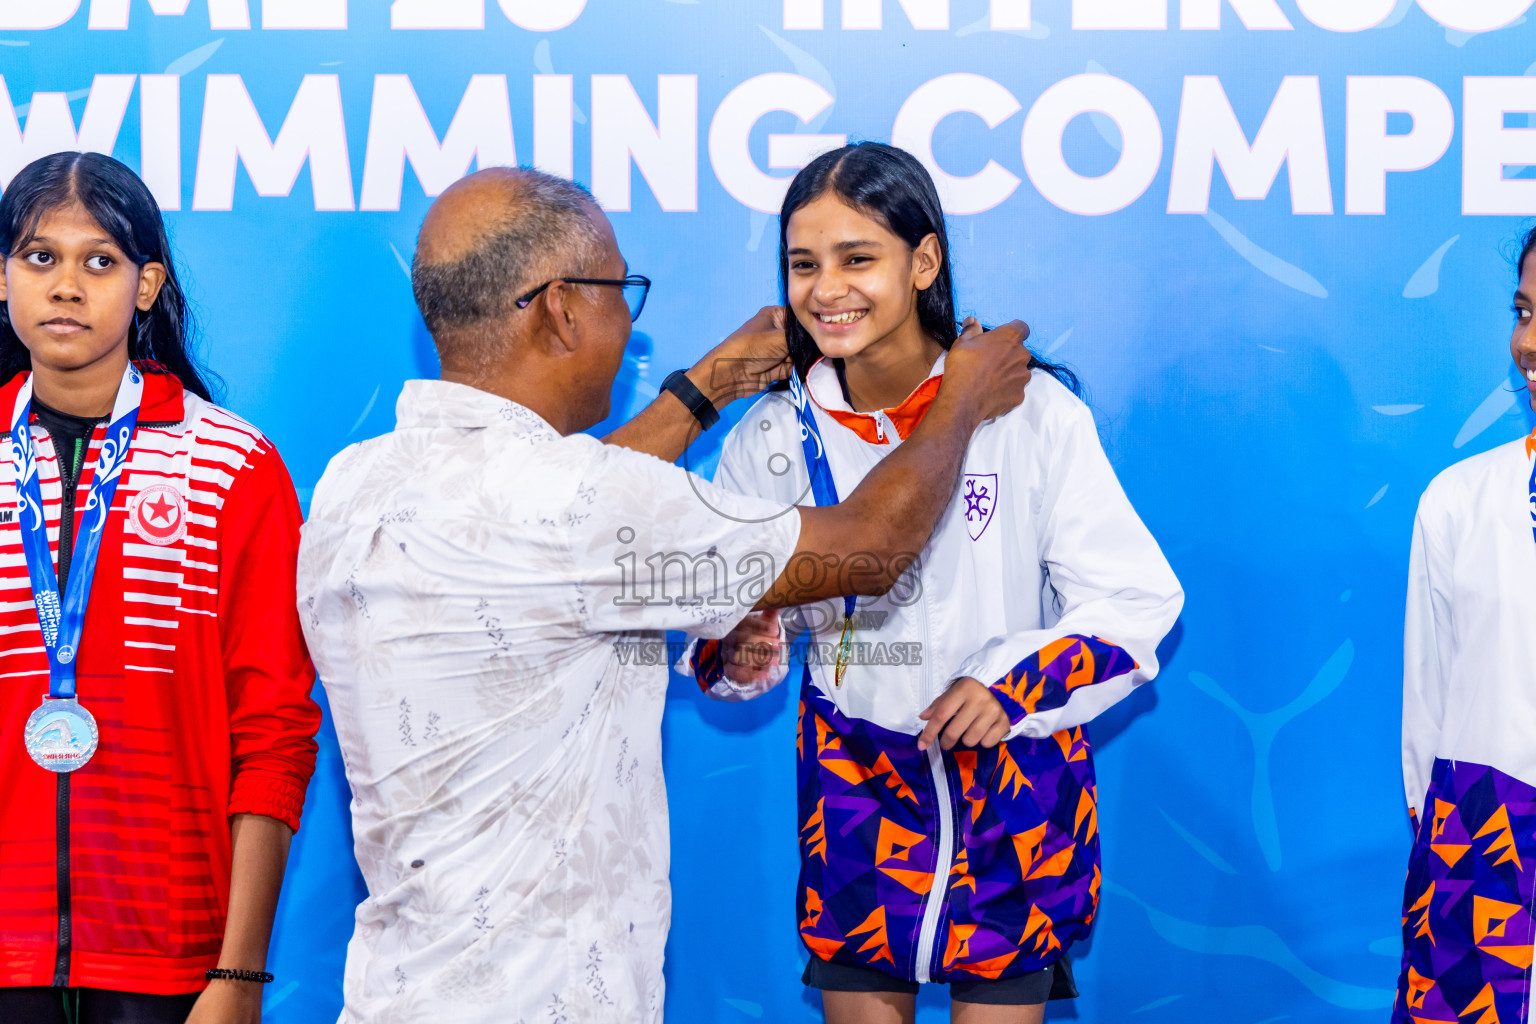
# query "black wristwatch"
(703, 410)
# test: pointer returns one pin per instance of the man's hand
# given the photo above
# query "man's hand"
(989, 371)
(753, 648)
(966, 714)
(228, 1002)
(753, 357)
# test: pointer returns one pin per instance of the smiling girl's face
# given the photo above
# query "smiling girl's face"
(852, 282)
(71, 293)
(1522, 343)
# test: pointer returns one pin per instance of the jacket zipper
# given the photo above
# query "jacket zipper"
(61, 962)
(939, 889)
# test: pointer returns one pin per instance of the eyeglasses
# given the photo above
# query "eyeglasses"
(636, 288)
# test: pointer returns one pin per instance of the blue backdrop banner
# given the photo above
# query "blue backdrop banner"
(1271, 235)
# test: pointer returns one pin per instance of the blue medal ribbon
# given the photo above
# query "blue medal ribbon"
(824, 491)
(63, 619)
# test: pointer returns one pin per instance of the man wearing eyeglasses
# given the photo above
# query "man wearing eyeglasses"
(478, 587)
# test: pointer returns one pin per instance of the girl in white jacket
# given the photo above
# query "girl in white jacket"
(948, 830)
(1469, 716)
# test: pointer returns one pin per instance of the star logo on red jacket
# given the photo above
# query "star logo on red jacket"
(158, 514)
(162, 511)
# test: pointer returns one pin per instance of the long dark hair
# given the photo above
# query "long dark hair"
(890, 185)
(1527, 246)
(118, 201)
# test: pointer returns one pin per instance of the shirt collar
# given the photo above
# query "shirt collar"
(822, 385)
(162, 401)
(441, 403)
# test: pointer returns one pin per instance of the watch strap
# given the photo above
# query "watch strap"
(702, 408)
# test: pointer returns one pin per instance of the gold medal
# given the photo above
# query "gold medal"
(844, 651)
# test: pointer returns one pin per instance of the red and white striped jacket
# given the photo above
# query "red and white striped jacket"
(194, 665)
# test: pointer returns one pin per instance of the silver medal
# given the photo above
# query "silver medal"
(61, 735)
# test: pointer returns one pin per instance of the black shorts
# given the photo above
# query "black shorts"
(91, 1006)
(1032, 989)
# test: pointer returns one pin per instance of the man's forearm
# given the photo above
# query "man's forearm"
(666, 427)
(743, 364)
(910, 488)
(862, 545)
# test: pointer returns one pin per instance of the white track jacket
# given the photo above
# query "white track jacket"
(1469, 757)
(1041, 582)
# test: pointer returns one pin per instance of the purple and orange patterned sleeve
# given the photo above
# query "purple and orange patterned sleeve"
(707, 664)
(1045, 680)
(1115, 595)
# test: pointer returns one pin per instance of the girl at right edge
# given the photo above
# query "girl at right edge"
(1469, 709)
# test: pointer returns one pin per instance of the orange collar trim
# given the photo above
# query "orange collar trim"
(904, 417)
(1530, 445)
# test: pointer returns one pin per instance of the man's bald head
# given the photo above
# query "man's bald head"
(489, 238)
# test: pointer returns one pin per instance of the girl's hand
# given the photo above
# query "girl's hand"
(228, 1002)
(968, 715)
(753, 648)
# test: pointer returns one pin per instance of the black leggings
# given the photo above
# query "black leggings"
(91, 1006)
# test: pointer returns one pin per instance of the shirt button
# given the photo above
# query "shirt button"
(417, 863)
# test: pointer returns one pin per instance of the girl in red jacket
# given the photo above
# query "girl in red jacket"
(156, 730)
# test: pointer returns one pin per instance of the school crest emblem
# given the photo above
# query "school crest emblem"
(158, 514)
(979, 493)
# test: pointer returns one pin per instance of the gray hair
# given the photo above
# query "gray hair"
(546, 234)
